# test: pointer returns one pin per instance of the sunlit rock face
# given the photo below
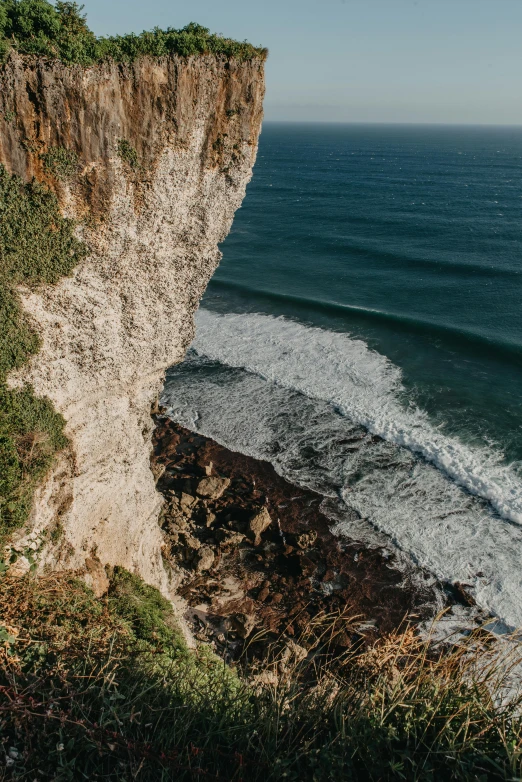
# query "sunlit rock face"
(152, 211)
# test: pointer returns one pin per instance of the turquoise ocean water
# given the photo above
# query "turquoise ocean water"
(364, 333)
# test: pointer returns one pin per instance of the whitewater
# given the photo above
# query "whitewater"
(332, 414)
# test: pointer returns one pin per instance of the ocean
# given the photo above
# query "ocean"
(364, 334)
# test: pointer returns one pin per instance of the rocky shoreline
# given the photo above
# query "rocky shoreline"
(256, 561)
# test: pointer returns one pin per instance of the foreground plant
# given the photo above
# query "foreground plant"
(107, 689)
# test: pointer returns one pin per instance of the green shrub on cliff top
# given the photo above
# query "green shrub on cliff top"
(37, 245)
(60, 31)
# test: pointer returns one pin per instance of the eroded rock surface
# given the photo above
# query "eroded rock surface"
(152, 223)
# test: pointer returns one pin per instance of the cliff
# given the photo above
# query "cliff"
(152, 159)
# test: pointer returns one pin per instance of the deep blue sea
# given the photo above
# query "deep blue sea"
(364, 333)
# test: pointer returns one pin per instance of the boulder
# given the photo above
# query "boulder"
(158, 470)
(294, 652)
(190, 541)
(177, 523)
(263, 595)
(186, 502)
(229, 537)
(20, 567)
(95, 576)
(212, 488)
(243, 624)
(307, 539)
(206, 559)
(258, 524)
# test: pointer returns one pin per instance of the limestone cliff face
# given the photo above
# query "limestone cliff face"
(152, 221)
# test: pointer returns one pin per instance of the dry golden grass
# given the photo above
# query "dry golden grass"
(106, 689)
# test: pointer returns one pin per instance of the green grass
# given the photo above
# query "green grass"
(146, 610)
(37, 245)
(60, 31)
(107, 689)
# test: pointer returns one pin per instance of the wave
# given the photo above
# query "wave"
(493, 346)
(312, 401)
(411, 261)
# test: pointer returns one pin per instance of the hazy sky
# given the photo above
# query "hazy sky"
(362, 60)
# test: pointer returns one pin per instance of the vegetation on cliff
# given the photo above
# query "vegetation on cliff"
(60, 31)
(107, 689)
(37, 245)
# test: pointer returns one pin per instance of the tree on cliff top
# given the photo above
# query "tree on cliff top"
(60, 32)
(37, 27)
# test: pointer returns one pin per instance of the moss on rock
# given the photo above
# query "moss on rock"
(127, 153)
(37, 245)
(61, 163)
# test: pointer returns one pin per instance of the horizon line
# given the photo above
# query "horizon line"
(391, 122)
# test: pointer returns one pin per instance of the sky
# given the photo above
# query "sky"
(426, 61)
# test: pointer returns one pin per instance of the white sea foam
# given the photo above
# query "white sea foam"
(306, 398)
(333, 367)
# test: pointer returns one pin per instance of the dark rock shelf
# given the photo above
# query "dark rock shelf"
(258, 563)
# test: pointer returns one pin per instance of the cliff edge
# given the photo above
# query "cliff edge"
(151, 158)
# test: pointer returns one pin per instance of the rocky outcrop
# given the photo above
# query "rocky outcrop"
(258, 565)
(152, 158)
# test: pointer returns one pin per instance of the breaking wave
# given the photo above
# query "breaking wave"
(332, 414)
